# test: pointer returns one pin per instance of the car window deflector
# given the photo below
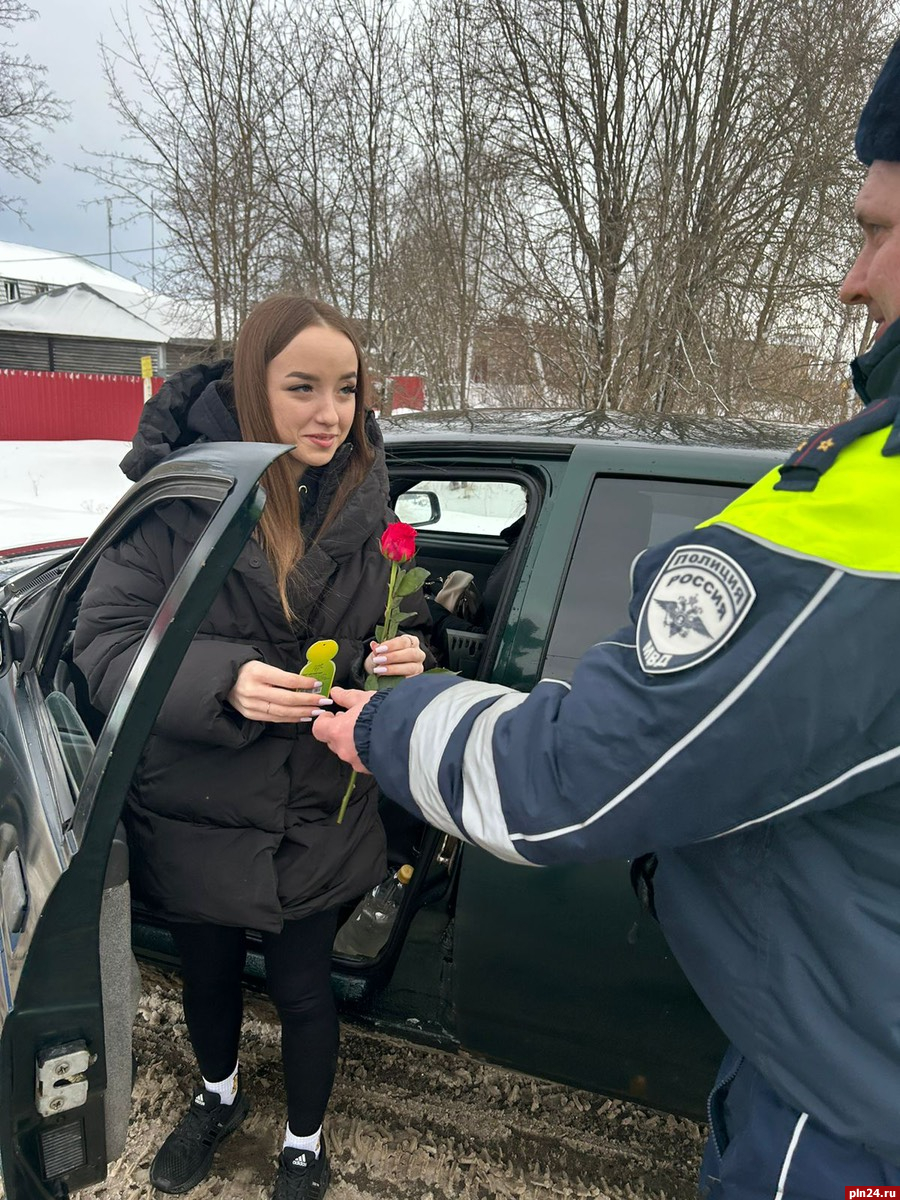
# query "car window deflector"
(75, 743)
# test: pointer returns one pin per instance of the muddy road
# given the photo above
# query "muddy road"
(405, 1123)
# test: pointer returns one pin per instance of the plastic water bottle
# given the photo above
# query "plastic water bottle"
(369, 925)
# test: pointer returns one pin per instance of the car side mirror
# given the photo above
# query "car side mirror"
(418, 508)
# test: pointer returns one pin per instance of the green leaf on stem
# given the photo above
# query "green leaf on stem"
(411, 581)
(386, 682)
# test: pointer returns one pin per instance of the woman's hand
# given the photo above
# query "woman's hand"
(264, 693)
(402, 655)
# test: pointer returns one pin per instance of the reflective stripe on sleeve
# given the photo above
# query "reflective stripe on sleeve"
(428, 742)
(482, 811)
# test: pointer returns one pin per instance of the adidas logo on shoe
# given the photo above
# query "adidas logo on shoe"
(302, 1175)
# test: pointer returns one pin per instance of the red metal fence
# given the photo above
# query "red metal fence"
(407, 391)
(61, 406)
(56, 406)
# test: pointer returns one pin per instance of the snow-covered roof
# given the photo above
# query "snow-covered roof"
(53, 267)
(89, 301)
(182, 319)
(78, 311)
(106, 313)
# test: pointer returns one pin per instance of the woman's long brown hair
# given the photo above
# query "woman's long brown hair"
(265, 333)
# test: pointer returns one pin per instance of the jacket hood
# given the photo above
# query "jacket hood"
(166, 425)
(197, 405)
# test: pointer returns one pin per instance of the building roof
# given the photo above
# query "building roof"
(180, 319)
(36, 265)
(78, 311)
(103, 313)
(88, 301)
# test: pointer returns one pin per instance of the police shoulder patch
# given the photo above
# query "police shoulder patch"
(694, 605)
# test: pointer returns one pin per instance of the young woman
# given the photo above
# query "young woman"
(232, 816)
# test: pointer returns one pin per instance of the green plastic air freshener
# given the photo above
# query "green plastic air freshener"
(319, 663)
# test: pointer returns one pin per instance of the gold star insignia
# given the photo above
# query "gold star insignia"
(826, 445)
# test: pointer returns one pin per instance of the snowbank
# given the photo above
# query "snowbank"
(52, 491)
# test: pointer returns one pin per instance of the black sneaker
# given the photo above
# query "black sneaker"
(184, 1158)
(301, 1175)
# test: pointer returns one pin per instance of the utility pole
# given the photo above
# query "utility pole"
(109, 232)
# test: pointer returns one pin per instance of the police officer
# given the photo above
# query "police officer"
(762, 671)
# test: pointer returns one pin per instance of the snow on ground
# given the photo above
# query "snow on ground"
(53, 491)
(475, 506)
(405, 1122)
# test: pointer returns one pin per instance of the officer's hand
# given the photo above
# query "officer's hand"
(336, 729)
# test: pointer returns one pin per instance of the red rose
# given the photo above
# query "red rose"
(398, 542)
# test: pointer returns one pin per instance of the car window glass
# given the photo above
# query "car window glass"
(75, 743)
(479, 506)
(622, 518)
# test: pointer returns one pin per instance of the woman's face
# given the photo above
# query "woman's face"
(312, 392)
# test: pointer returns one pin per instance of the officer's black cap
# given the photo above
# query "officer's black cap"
(878, 134)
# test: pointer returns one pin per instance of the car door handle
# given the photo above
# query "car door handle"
(447, 852)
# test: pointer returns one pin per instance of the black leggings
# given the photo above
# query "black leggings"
(298, 977)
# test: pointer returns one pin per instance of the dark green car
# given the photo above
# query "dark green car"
(554, 972)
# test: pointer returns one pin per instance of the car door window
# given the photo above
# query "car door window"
(477, 506)
(64, 918)
(622, 518)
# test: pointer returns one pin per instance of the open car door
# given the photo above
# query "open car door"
(65, 1002)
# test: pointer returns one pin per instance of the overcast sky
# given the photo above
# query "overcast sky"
(65, 38)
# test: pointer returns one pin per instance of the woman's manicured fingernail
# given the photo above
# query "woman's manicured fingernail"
(326, 700)
(380, 671)
(305, 720)
(380, 659)
(380, 649)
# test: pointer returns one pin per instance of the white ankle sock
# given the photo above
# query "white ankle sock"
(293, 1142)
(226, 1090)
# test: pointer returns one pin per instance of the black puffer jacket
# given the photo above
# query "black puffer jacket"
(233, 821)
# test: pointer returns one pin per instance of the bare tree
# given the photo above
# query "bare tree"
(681, 176)
(623, 203)
(371, 50)
(452, 197)
(337, 157)
(197, 159)
(578, 102)
(747, 190)
(306, 161)
(27, 105)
